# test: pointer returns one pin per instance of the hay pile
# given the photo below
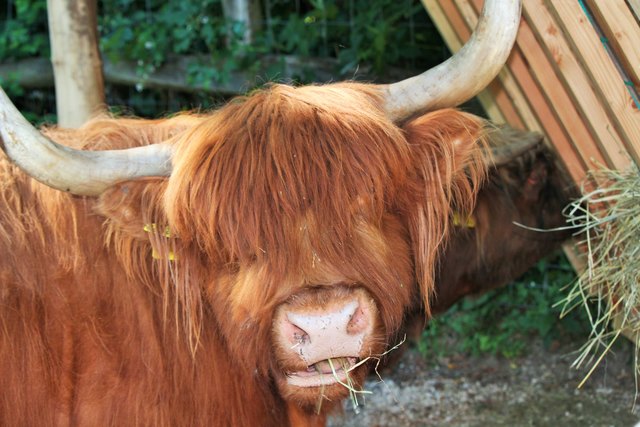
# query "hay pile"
(609, 288)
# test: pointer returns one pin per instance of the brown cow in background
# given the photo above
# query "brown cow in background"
(517, 220)
(232, 268)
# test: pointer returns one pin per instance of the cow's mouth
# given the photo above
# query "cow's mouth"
(323, 373)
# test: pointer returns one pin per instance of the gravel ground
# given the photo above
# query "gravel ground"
(537, 389)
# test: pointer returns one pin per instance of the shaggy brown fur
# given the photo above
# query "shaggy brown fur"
(106, 323)
(531, 190)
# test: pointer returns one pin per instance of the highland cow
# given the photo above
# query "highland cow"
(235, 268)
(517, 221)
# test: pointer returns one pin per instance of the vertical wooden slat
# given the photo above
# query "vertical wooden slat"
(635, 7)
(517, 98)
(609, 85)
(520, 69)
(454, 42)
(508, 113)
(565, 88)
(558, 98)
(623, 33)
(497, 91)
(552, 128)
(442, 23)
(559, 104)
(577, 81)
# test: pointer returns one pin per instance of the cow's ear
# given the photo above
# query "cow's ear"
(446, 171)
(132, 207)
(535, 182)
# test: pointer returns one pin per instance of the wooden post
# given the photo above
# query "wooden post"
(246, 11)
(77, 66)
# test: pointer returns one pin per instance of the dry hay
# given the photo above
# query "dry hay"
(353, 389)
(609, 222)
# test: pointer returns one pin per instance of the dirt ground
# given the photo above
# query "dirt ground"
(537, 389)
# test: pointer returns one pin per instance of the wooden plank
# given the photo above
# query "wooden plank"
(519, 101)
(573, 162)
(609, 85)
(503, 90)
(517, 97)
(454, 42)
(623, 33)
(468, 12)
(443, 25)
(494, 98)
(535, 96)
(508, 113)
(635, 7)
(517, 67)
(577, 81)
(558, 98)
(576, 257)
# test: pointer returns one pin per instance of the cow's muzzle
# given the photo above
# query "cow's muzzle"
(322, 333)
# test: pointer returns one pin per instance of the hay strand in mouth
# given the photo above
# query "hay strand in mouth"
(349, 385)
(321, 397)
(345, 365)
(609, 288)
(379, 357)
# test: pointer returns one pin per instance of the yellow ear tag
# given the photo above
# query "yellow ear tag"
(156, 255)
(153, 228)
(469, 222)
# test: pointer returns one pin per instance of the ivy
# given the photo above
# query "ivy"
(503, 320)
(151, 32)
(25, 34)
(376, 34)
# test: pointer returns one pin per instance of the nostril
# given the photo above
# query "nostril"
(358, 321)
(299, 335)
(294, 334)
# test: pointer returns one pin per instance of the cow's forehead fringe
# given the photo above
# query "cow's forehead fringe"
(245, 179)
(258, 178)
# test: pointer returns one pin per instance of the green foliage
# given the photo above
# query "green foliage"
(376, 34)
(39, 120)
(11, 86)
(24, 34)
(151, 32)
(501, 322)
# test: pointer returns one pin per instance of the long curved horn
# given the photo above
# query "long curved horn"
(85, 173)
(462, 76)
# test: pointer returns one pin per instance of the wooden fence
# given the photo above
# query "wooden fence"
(574, 75)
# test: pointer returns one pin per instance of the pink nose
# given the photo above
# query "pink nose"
(336, 331)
